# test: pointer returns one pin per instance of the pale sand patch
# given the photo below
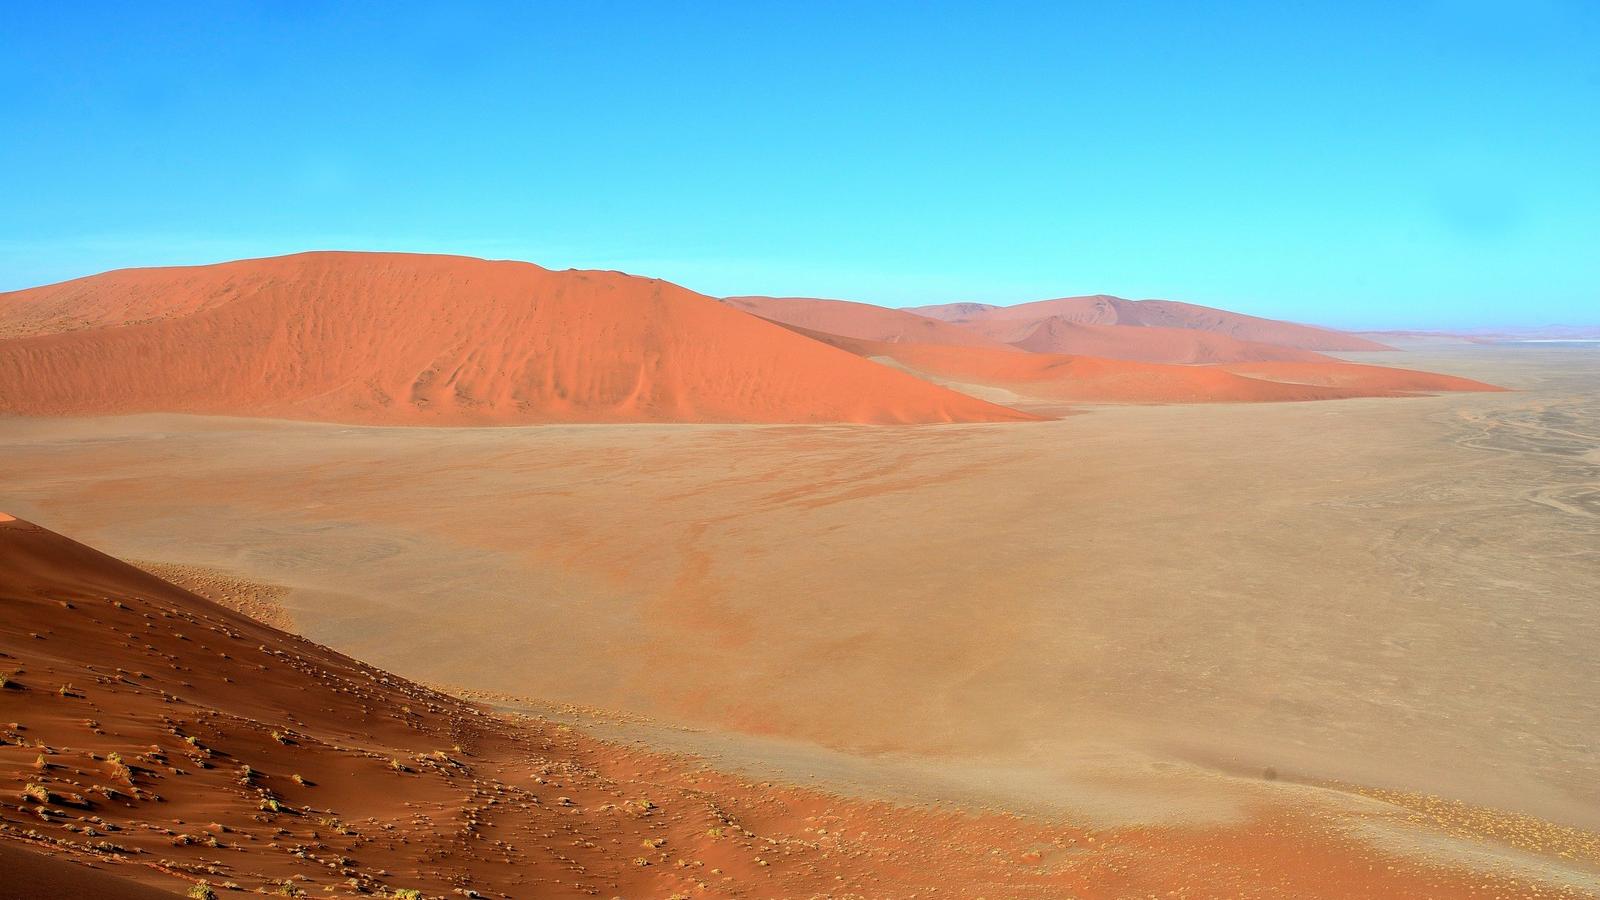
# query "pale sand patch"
(262, 602)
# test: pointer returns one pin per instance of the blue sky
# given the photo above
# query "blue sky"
(1399, 164)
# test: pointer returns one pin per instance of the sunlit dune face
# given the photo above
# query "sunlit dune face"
(452, 341)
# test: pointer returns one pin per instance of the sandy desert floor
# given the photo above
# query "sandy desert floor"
(1138, 613)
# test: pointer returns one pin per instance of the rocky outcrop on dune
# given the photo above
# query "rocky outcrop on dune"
(387, 338)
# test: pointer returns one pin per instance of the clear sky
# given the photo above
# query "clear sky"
(1394, 164)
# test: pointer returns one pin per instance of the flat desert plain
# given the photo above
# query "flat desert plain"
(1141, 613)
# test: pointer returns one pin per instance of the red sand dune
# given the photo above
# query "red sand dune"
(38, 876)
(1048, 376)
(390, 338)
(1101, 309)
(158, 736)
(152, 740)
(1185, 346)
(860, 320)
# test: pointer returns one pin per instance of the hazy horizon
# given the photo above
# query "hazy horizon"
(1585, 326)
(1358, 166)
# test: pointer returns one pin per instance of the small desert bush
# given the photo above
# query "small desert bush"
(202, 891)
(119, 768)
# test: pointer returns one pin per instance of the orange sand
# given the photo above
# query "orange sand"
(390, 338)
(165, 740)
(385, 338)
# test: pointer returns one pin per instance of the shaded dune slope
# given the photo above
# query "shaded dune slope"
(386, 338)
(37, 876)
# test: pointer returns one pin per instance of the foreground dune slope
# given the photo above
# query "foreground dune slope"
(40, 875)
(1101, 309)
(1049, 376)
(161, 740)
(387, 338)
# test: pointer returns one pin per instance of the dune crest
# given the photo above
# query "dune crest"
(390, 338)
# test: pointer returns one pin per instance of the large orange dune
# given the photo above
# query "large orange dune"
(861, 320)
(388, 338)
(152, 741)
(1050, 376)
(1101, 309)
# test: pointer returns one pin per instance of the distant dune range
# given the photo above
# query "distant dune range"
(1050, 334)
(1054, 376)
(1100, 309)
(389, 338)
(409, 339)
